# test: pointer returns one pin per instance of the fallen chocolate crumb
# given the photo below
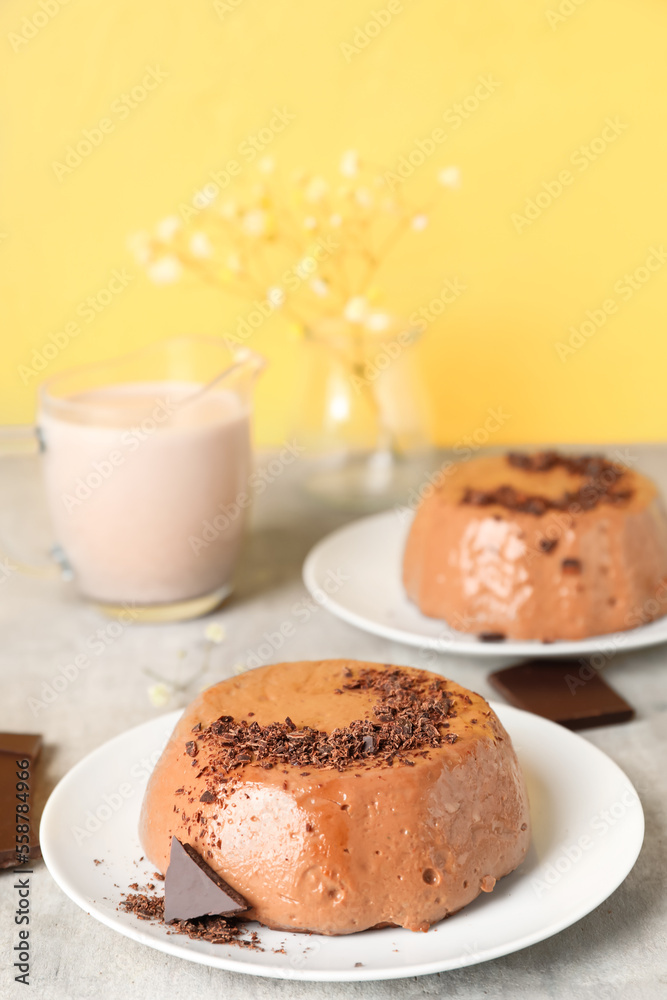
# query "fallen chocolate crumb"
(571, 565)
(216, 930)
(491, 636)
(98, 861)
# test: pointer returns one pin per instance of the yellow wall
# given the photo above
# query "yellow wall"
(559, 78)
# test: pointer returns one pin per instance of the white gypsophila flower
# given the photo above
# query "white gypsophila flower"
(276, 297)
(234, 263)
(254, 222)
(356, 309)
(160, 694)
(363, 197)
(267, 165)
(215, 632)
(310, 223)
(200, 245)
(167, 228)
(165, 270)
(319, 286)
(316, 189)
(419, 222)
(336, 220)
(239, 668)
(450, 177)
(378, 321)
(349, 163)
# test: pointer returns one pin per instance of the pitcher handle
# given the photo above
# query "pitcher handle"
(25, 439)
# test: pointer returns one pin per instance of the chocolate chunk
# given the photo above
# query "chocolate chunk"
(570, 692)
(16, 790)
(571, 565)
(548, 544)
(191, 748)
(192, 889)
(207, 796)
(491, 636)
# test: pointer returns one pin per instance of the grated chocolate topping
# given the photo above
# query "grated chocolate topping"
(410, 714)
(601, 479)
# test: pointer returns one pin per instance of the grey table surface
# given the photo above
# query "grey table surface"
(618, 950)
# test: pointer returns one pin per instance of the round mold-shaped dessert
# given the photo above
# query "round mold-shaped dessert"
(540, 546)
(337, 795)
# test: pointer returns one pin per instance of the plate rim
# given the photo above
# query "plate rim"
(164, 724)
(607, 642)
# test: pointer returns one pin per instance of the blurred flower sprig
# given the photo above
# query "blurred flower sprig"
(309, 246)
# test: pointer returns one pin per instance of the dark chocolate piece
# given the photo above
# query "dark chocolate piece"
(16, 747)
(570, 692)
(571, 565)
(491, 637)
(192, 889)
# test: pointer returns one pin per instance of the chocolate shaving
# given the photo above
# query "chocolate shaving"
(571, 565)
(410, 713)
(548, 544)
(600, 475)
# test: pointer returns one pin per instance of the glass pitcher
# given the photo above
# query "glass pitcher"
(146, 463)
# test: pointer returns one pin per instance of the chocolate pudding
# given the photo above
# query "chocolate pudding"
(336, 796)
(541, 546)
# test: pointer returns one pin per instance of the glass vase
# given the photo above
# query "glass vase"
(363, 413)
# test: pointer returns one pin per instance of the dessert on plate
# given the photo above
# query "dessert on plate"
(539, 546)
(335, 796)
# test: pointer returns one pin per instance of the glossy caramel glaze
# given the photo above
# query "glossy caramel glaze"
(563, 574)
(339, 851)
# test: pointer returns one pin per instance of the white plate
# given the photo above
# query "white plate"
(356, 573)
(588, 828)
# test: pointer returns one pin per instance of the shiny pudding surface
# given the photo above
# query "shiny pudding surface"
(344, 846)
